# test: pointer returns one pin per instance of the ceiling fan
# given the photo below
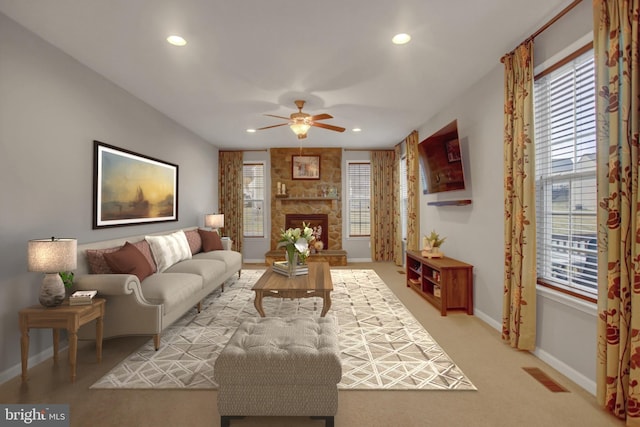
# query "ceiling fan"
(301, 122)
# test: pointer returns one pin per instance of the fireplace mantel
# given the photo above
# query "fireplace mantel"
(334, 200)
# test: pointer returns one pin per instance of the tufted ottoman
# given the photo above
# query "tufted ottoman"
(280, 367)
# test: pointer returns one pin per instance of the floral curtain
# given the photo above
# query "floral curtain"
(413, 192)
(397, 220)
(383, 205)
(616, 36)
(519, 296)
(230, 195)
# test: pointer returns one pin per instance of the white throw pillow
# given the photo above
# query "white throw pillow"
(169, 249)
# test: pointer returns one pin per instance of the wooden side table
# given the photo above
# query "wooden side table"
(65, 316)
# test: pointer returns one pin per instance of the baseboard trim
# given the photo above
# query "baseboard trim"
(34, 360)
(566, 370)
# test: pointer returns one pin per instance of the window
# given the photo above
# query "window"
(565, 137)
(253, 189)
(359, 199)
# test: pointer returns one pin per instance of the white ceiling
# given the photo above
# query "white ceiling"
(247, 58)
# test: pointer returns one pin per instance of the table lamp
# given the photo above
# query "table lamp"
(214, 221)
(52, 256)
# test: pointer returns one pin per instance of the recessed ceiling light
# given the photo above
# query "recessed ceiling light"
(176, 40)
(401, 38)
(356, 130)
(251, 131)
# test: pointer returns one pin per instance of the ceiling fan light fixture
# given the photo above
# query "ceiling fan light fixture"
(300, 128)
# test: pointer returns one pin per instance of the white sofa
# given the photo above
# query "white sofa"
(149, 306)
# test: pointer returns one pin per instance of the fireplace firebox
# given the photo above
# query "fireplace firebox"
(311, 220)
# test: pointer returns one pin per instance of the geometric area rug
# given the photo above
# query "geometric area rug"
(382, 346)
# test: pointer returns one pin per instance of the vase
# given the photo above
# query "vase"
(292, 261)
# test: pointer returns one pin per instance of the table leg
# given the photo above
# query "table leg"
(73, 350)
(24, 346)
(258, 303)
(326, 303)
(99, 329)
(56, 344)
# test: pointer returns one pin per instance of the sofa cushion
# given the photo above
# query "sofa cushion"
(195, 242)
(98, 265)
(128, 260)
(232, 259)
(169, 249)
(210, 240)
(170, 289)
(208, 269)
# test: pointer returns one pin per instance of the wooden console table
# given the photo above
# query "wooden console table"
(444, 282)
(65, 316)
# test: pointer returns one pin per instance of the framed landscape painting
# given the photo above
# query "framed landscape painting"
(130, 188)
(305, 167)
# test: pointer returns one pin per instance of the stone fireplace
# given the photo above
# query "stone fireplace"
(306, 200)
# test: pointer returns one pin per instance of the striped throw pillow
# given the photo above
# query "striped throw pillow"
(169, 249)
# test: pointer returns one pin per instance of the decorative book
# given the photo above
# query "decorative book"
(82, 297)
(282, 267)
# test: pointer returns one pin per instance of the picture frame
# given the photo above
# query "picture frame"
(305, 167)
(453, 150)
(130, 188)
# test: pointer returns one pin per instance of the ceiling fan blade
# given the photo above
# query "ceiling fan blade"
(326, 126)
(321, 117)
(274, 126)
(278, 117)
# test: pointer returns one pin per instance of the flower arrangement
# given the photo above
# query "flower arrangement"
(296, 241)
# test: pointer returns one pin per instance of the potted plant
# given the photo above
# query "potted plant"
(434, 241)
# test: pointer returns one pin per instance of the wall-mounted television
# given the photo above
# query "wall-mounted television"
(441, 161)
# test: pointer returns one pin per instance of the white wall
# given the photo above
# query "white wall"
(51, 110)
(566, 328)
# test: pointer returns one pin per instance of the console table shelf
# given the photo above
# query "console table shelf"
(445, 282)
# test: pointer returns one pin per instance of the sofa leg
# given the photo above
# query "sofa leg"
(199, 307)
(225, 420)
(328, 421)
(156, 341)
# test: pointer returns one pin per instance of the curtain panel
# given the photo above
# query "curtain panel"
(413, 192)
(616, 44)
(397, 220)
(230, 195)
(519, 296)
(383, 203)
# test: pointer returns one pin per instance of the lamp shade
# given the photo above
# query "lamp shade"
(214, 220)
(52, 255)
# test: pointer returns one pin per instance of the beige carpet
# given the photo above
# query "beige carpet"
(382, 344)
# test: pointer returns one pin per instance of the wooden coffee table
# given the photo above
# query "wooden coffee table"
(315, 284)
